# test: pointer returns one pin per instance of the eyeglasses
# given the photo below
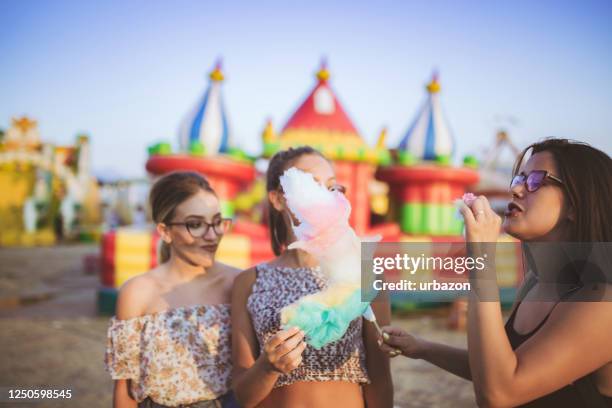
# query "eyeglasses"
(199, 228)
(534, 180)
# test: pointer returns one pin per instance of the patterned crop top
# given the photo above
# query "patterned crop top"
(179, 356)
(277, 287)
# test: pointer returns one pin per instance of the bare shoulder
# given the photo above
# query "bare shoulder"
(136, 294)
(227, 270)
(598, 293)
(588, 307)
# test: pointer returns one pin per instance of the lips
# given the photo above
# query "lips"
(513, 209)
(210, 248)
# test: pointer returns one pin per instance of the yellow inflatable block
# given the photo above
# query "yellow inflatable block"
(27, 239)
(415, 238)
(132, 254)
(237, 262)
(128, 239)
(121, 278)
(45, 237)
(132, 262)
(234, 244)
(235, 250)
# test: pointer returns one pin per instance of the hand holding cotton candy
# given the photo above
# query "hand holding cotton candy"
(467, 199)
(324, 232)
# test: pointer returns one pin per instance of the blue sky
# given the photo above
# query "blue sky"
(127, 72)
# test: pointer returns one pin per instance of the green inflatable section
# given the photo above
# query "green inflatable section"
(430, 219)
(227, 209)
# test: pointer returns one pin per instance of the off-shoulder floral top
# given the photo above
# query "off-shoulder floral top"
(179, 356)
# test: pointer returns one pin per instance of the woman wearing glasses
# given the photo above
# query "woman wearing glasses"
(275, 368)
(169, 343)
(554, 350)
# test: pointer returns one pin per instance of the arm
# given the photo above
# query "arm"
(130, 303)
(255, 374)
(121, 396)
(251, 382)
(451, 359)
(569, 345)
(379, 393)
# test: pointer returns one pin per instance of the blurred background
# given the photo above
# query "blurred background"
(416, 103)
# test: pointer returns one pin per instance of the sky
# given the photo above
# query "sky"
(127, 72)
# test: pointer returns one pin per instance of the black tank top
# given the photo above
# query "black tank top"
(581, 393)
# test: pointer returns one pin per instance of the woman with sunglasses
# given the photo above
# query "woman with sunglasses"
(554, 350)
(169, 344)
(276, 368)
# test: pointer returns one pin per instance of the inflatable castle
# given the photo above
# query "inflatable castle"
(404, 193)
(48, 192)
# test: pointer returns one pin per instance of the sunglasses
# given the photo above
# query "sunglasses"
(199, 228)
(534, 180)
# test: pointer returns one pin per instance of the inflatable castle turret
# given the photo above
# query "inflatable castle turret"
(423, 182)
(321, 122)
(207, 124)
(206, 147)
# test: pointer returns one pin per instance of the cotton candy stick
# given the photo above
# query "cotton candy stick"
(369, 316)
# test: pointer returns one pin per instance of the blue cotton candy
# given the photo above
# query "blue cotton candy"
(323, 324)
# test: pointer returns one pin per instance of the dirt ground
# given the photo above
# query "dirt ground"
(52, 336)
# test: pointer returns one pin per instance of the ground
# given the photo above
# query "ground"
(51, 335)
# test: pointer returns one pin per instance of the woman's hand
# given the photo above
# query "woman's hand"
(283, 351)
(482, 224)
(397, 341)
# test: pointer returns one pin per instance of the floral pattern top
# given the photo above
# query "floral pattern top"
(179, 356)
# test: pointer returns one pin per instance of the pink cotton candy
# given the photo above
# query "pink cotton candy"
(323, 225)
(469, 198)
(322, 216)
(324, 229)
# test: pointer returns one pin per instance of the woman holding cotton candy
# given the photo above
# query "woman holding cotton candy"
(274, 367)
(554, 350)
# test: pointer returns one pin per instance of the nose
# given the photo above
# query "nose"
(518, 190)
(210, 235)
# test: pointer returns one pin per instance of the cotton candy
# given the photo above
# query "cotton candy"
(467, 199)
(324, 232)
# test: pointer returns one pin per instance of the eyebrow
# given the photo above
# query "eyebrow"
(332, 178)
(201, 217)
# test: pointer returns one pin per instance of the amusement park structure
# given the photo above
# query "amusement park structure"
(404, 193)
(48, 192)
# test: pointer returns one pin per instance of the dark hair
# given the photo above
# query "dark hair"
(587, 177)
(170, 191)
(280, 162)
